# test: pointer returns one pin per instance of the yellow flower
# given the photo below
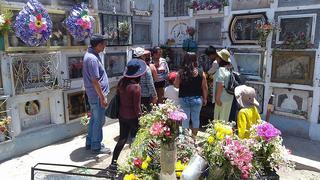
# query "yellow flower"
(228, 130)
(144, 165)
(38, 24)
(179, 168)
(210, 139)
(129, 177)
(148, 159)
(219, 135)
(218, 126)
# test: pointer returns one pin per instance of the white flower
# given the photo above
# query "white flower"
(2, 20)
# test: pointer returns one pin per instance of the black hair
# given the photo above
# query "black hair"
(189, 63)
(223, 63)
(210, 50)
(155, 50)
(95, 43)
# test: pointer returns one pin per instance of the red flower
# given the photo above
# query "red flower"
(137, 162)
(39, 17)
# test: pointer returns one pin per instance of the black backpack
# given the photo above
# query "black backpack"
(235, 80)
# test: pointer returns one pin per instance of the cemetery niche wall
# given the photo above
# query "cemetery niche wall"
(250, 4)
(243, 30)
(115, 63)
(142, 33)
(209, 25)
(288, 3)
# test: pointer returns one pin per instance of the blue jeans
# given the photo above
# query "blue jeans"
(192, 107)
(97, 120)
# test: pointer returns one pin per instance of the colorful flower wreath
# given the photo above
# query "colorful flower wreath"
(79, 23)
(33, 24)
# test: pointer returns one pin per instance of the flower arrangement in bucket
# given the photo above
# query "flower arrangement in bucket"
(5, 21)
(33, 24)
(229, 156)
(79, 23)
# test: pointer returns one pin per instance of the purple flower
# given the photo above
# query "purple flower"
(267, 131)
(177, 115)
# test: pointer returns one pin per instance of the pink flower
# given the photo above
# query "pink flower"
(177, 115)
(156, 129)
(137, 162)
(267, 131)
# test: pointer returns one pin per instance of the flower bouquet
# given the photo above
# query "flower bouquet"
(297, 41)
(33, 24)
(264, 30)
(124, 30)
(79, 23)
(190, 30)
(5, 21)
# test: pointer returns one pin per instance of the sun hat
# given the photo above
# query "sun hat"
(246, 96)
(224, 55)
(135, 68)
(139, 51)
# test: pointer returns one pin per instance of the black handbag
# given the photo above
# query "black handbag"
(112, 110)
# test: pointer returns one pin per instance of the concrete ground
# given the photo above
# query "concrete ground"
(72, 152)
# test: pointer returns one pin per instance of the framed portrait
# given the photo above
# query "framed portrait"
(249, 65)
(296, 26)
(75, 64)
(115, 63)
(142, 33)
(293, 67)
(209, 31)
(249, 4)
(243, 28)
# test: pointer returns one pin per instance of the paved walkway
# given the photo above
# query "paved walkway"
(72, 151)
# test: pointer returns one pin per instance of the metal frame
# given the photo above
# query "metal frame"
(313, 31)
(235, 18)
(66, 95)
(258, 77)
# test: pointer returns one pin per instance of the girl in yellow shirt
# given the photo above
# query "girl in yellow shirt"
(249, 114)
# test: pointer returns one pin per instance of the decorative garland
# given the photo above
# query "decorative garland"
(33, 24)
(79, 23)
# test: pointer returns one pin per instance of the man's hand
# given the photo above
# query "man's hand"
(103, 102)
(154, 100)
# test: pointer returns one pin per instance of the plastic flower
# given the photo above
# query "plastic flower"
(218, 126)
(177, 115)
(179, 168)
(129, 177)
(210, 139)
(144, 165)
(156, 129)
(148, 159)
(38, 23)
(220, 135)
(84, 22)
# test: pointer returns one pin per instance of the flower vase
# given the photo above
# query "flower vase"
(168, 159)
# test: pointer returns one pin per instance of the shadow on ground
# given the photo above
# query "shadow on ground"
(81, 155)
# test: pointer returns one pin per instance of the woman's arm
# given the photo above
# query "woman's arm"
(204, 89)
(136, 89)
(177, 81)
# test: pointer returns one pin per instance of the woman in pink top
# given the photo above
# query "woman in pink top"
(130, 109)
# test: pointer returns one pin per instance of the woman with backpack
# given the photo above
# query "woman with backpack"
(223, 100)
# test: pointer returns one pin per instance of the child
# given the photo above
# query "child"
(171, 92)
(248, 114)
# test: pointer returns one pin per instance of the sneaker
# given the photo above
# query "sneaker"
(88, 147)
(104, 150)
(112, 169)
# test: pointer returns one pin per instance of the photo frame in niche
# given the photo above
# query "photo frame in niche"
(243, 30)
(117, 28)
(287, 3)
(76, 104)
(295, 25)
(293, 103)
(75, 64)
(142, 33)
(293, 67)
(214, 27)
(249, 4)
(115, 63)
(249, 65)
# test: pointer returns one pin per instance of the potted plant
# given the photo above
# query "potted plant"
(4, 132)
